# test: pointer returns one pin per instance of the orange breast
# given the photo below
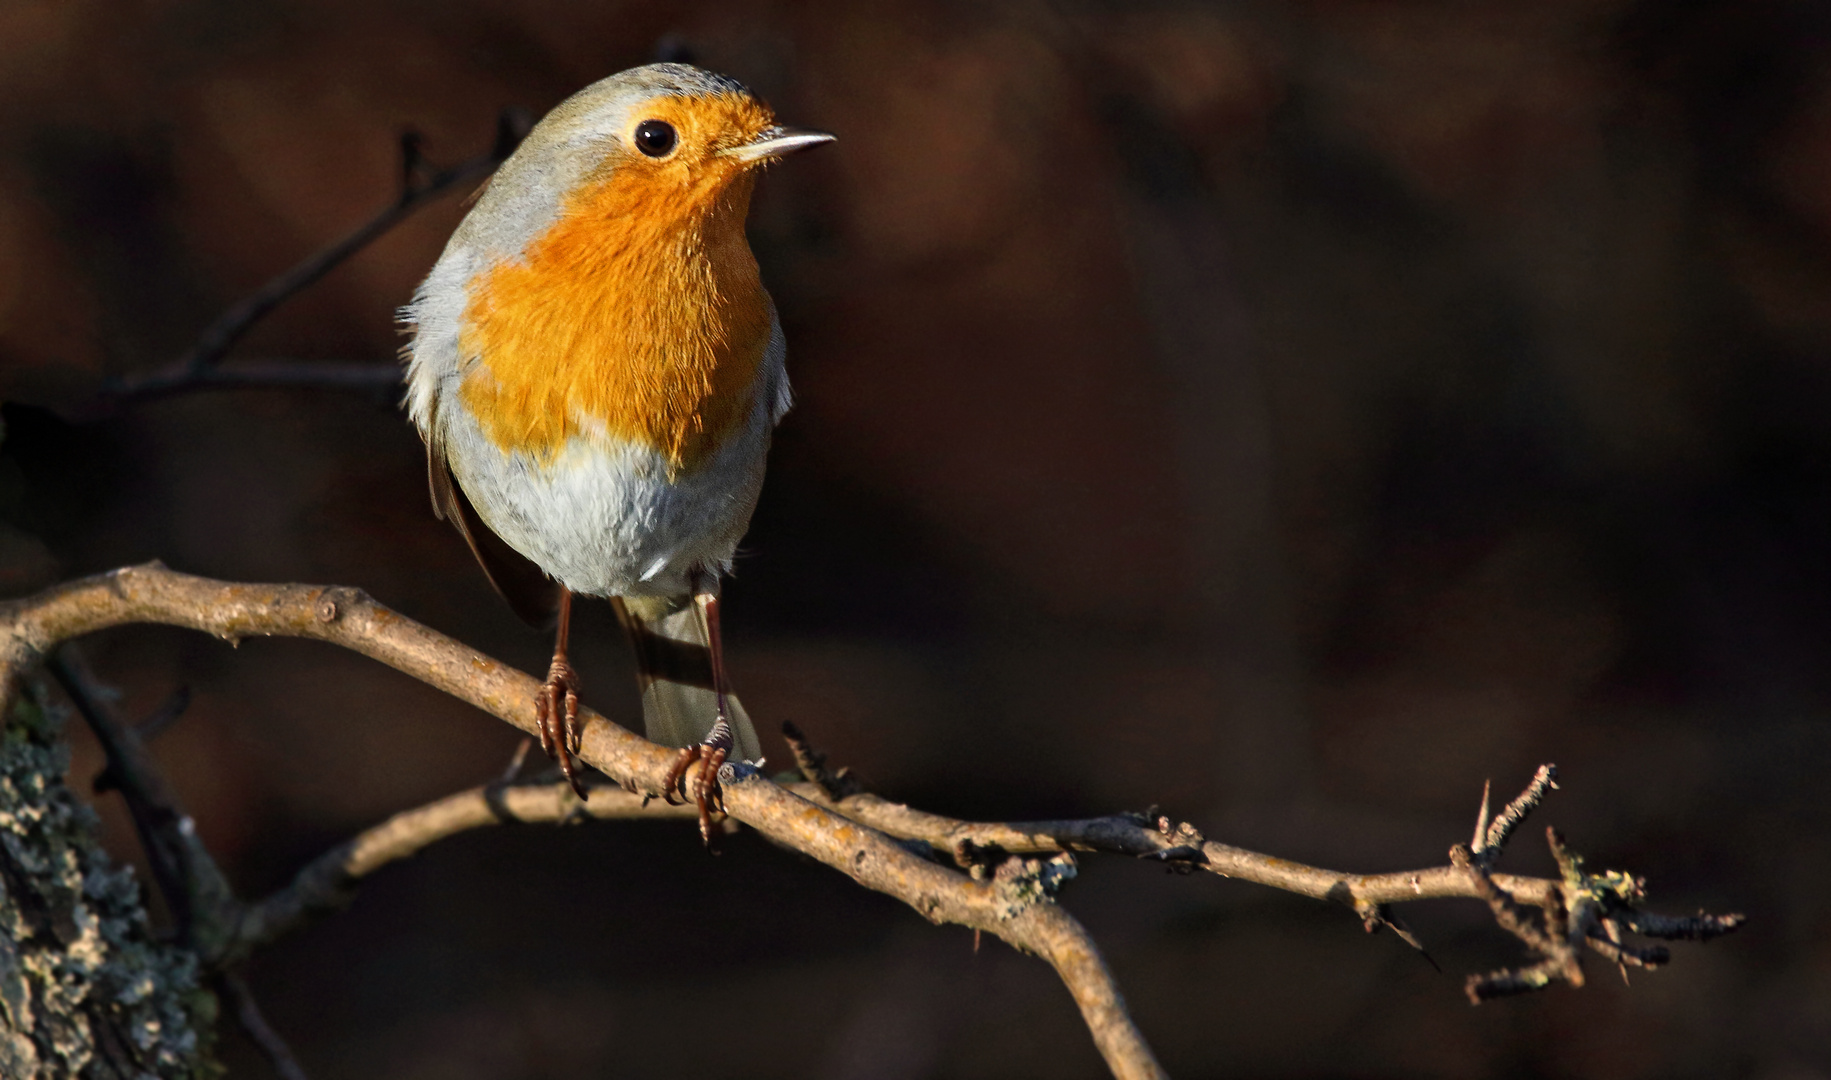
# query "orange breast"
(639, 313)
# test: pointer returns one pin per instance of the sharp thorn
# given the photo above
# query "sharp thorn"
(1481, 819)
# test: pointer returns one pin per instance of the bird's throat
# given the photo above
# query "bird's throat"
(638, 317)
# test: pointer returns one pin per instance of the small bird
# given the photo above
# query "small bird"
(596, 370)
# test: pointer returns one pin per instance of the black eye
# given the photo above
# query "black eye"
(655, 137)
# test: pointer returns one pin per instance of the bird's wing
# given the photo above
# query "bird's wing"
(529, 591)
(674, 673)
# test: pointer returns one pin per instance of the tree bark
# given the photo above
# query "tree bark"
(85, 988)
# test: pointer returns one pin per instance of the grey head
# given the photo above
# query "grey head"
(606, 121)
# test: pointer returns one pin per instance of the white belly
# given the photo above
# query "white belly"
(602, 517)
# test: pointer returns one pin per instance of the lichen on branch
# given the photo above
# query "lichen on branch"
(85, 988)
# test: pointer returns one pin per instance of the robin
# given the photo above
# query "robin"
(596, 370)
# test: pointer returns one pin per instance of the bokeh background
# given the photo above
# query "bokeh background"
(1292, 414)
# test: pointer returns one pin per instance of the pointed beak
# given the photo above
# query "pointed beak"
(777, 142)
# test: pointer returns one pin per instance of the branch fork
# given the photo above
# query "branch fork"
(994, 877)
(1583, 908)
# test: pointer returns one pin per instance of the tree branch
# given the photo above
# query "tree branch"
(1179, 844)
(194, 887)
(917, 857)
(1020, 911)
(197, 368)
(328, 883)
(85, 984)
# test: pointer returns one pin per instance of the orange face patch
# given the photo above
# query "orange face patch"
(640, 309)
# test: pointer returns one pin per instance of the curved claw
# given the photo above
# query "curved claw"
(702, 789)
(556, 714)
(682, 762)
(708, 794)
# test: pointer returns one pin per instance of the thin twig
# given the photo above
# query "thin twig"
(512, 770)
(1700, 927)
(1509, 819)
(1624, 955)
(248, 1016)
(194, 887)
(1508, 912)
(811, 763)
(197, 368)
(1559, 959)
(1134, 835)
(327, 883)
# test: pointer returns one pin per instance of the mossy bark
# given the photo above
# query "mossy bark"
(86, 989)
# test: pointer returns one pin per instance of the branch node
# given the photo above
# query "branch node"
(1182, 851)
(1560, 960)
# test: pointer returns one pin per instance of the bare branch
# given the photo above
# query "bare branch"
(1509, 819)
(197, 368)
(1021, 913)
(1560, 961)
(1177, 844)
(812, 765)
(886, 846)
(1015, 907)
(1624, 955)
(1580, 909)
(194, 887)
(1700, 927)
(328, 883)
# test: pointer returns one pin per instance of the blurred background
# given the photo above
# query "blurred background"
(1291, 414)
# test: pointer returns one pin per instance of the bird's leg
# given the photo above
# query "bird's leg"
(556, 707)
(702, 788)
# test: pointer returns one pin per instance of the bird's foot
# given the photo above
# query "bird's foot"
(701, 785)
(556, 712)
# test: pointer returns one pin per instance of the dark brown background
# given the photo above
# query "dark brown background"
(1292, 414)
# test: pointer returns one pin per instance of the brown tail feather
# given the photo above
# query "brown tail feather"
(674, 673)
